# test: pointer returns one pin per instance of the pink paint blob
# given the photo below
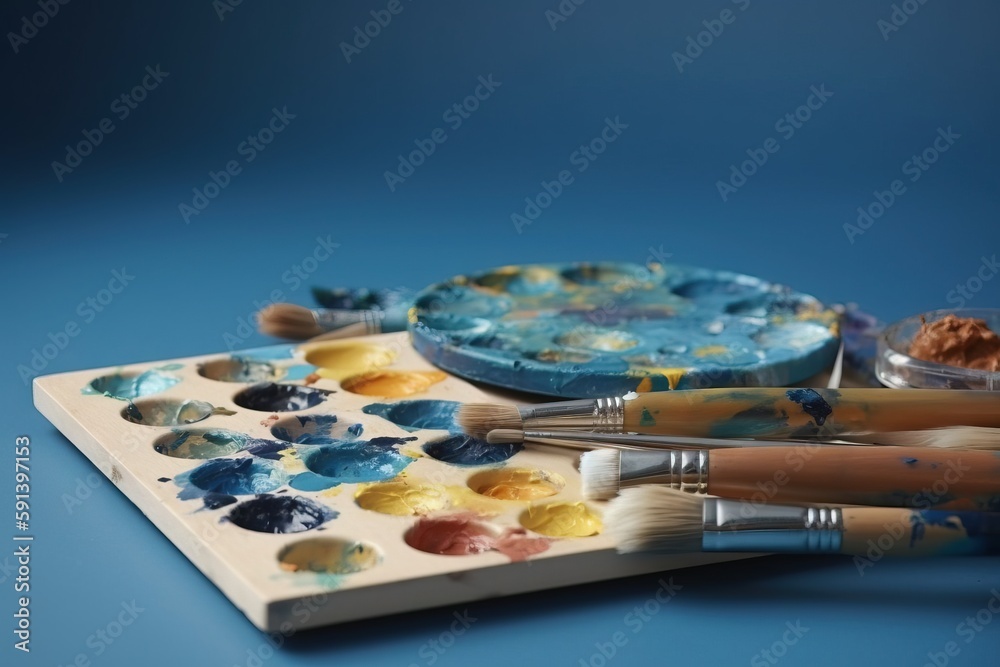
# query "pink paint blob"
(515, 544)
(464, 535)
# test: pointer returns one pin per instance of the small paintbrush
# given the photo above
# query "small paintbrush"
(657, 518)
(286, 320)
(881, 476)
(749, 412)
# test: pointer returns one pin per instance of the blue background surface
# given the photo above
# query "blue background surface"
(323, 176)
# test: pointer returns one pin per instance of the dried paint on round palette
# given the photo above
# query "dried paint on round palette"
(315, 429)
(271, 397)
(200, 443)
(589, 330)
(464, 450)
(392, 384)
(562, 520)
(236, 477)
(465, 535)
(517, 484)
(268, 513)
(239, 369)
(337, 360)
(328, 555)
(168, 412)
(372, 460)
(127, 386)
(418, 414)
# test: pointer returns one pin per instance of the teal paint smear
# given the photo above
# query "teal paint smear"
(310, 481)
(126, 388)
(646, 419)
(299, 371)
(237, 477)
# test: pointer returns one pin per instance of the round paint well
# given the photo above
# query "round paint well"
(562, 520)
(606, 274)
(402, 498)
(340, 359)
(236, 477)
(329, 555)
(127, 386)
(167, 412)
(392, 384)
(207, 443)
(460, 535)
(515, 280)
(374, 460)
(517, 484)
(315, 429)
(238, 369)
(270, 513)
(464, 450)
(418, 414)
(272, 397)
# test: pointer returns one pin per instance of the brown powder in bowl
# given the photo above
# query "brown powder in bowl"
(958, 341)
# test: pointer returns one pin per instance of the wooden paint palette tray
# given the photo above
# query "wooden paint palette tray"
(327, 483)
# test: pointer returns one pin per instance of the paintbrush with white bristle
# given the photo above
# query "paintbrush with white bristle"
(657, 518)
(851, 475)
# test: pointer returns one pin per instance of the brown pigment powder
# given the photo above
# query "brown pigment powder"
(958, 341)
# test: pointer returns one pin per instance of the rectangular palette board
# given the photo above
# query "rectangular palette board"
(360, 563)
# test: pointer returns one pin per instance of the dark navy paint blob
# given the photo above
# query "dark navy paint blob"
(464, 450)
(244, 476)
(812, 404)
(163, 479)
(265, 449)
(415, 415)
(280, 514)
(272, 397)
(214, 501)
(373, 460)
(315, 430)
(909, 460)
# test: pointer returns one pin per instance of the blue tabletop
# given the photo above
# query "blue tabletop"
(201, 159)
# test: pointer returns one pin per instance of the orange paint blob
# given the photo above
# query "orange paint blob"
(392, 384)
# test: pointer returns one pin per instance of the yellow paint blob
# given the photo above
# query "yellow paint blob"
(562, 520)
(711, 351)
(392, 384)
(516, 484)
(340, 359)
(329, 556)
(290, 461)
(402, 498)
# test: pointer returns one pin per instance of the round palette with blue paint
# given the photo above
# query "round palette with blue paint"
(591, 330)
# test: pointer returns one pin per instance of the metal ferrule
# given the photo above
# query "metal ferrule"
(684, 469)
(330, 319)
(733, 525)
(603, 415)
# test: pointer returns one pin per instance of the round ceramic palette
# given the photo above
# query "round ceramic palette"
(590, 330)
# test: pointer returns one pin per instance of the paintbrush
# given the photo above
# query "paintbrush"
(882, 476)
(748, 412)
(589, 440)
(286, 320)
(658, 518)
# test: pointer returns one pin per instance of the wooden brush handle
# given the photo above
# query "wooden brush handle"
(873, 532)
(857, 475)
(789, 412)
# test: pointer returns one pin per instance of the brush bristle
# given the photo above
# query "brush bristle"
(600, 470)
(286, 320)
(948, 437)
(656, 518)
(478, 419)
(504, 436)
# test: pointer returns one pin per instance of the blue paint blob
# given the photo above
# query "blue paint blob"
(415, 415)
(237, 477)
(464, 450)
(214, 501)
(908, 460)
(372, 460)
(200, 443)
(128, 387)
(758, 420)
(265, 449)
(272, 397)
(280, 514)
(315, 429)
(812, 404)
(310, 481)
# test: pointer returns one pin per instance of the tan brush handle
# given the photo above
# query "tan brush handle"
(790, 412)
(873, 532)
